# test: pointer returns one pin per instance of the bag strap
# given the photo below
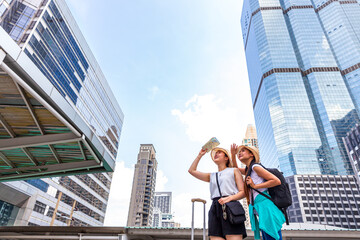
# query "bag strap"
(284, 210)
(217, 182)
(248, 174)
(262, 194)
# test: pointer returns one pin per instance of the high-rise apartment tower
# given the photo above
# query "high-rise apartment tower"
(143, 188)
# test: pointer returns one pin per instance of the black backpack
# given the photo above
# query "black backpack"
(280, 195)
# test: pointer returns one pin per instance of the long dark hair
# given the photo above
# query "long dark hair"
(228, 164)
(246, 188)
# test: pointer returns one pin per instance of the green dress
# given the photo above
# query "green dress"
(270, 219)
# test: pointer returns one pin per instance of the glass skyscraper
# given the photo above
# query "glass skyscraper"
(303, 60)
(58, 119)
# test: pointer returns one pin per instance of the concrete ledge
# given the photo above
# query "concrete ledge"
(132, 233)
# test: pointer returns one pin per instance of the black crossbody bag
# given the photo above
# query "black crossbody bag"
(233, 210)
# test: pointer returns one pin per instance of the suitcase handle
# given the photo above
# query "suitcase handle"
(192, 222)
(198, 200)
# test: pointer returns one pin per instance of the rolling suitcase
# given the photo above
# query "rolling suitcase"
(192, 221)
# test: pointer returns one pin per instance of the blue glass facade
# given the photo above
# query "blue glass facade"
(49, 41)
(38, 183)
(17, 18)
(302, 59)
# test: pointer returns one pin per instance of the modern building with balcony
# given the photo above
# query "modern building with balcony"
(58, 118)
(143, 188)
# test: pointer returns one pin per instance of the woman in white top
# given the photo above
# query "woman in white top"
(231, 187)
(264, 215)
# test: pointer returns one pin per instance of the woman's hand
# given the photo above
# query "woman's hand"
(224, 200)
(233, 149)
(250, 182)
(202, 153)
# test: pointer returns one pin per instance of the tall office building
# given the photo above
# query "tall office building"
(143, 188)
(250, 139)
(303, 60)
(162, 201)
(162, 210)
(58, 117)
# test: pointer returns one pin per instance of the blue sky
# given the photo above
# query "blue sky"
(178, 71)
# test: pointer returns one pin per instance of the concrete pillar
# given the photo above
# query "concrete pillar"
(23, 216)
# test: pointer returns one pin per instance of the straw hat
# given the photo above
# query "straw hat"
(253, 150)
(214, 150)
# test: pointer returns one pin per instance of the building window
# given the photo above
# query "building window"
(39, 207)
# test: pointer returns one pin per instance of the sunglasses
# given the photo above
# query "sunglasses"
(224, 211)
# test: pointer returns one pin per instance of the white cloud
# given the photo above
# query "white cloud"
(207, 116)
(161, 180)
(120, 193)
(119, 199)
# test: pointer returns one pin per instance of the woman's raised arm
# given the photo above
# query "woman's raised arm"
(199, 175)
(271, 179)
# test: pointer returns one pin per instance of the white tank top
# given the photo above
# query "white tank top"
(257, 180)
(226, 181)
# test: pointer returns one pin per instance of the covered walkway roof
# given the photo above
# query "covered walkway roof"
(41, 135)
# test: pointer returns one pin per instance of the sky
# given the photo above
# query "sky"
(178, 71)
